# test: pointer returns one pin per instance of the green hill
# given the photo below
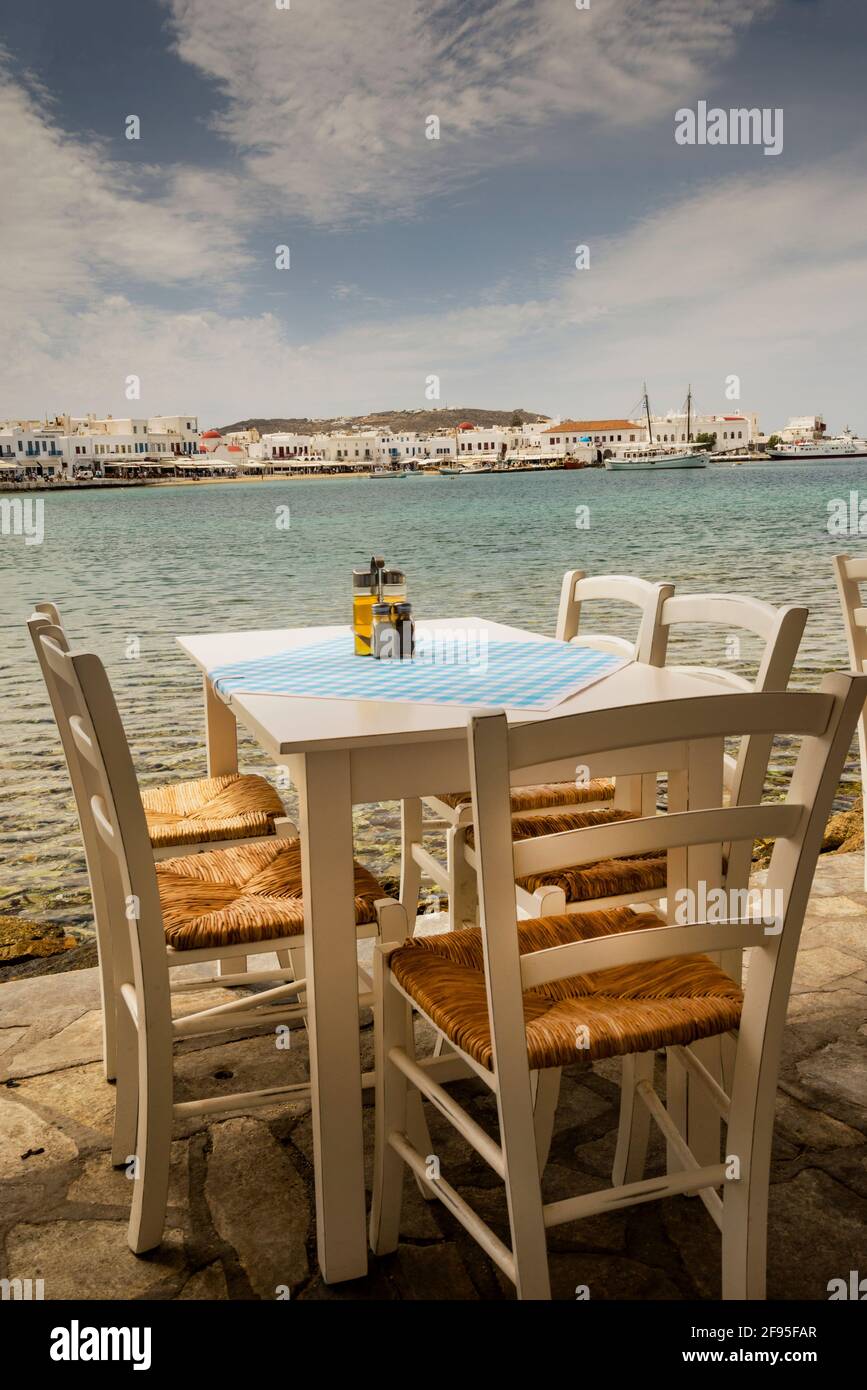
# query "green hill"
(423, 421)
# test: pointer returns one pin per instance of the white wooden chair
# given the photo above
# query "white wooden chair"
(155, 917)
(850, 573)
(534, 800)
(615, 882)
(188, 816)
(203, 814)
(510, 997)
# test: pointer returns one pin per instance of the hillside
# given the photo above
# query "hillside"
(397, 420)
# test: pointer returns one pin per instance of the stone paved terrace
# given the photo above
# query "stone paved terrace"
(241, 1202)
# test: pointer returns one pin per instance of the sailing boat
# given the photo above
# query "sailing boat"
(650, 455)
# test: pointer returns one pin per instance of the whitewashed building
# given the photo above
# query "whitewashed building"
(478, 442)
(734, 433)
(803, 427)
(85, 444)
(183, 431)
(34, 449)
(588, 441)
(281, 446)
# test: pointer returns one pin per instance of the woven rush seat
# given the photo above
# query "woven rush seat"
(545, 795)
(626, 1009)
(245, 894)
(233, 807)
(640, 873)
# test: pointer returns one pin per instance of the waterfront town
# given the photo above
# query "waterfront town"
(68, 449)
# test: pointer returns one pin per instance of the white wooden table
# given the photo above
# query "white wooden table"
(342, 753)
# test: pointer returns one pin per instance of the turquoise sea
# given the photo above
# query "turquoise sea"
(131, 568)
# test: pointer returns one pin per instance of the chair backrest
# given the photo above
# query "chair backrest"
(114, 828)
(780, 630)
(579, 588)
(849, 573)
(46, 621)
(824, 720)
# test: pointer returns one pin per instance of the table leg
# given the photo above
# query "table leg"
(221, 743)
(221, 734)
(332, 1000)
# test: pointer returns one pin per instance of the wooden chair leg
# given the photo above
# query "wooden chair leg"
(634, 1129)
(153, 1143)
(410, 873)
(704, 1126)
(292, 960)
(862, 749)
(109, 1014)
(126, 1091)
(416, 1123)
(744, 1238)
(745, 1195)
(463, 893)
(392, 1022)
(545, 1112)
(675, 1104)
(524, 1195)
(232, 965)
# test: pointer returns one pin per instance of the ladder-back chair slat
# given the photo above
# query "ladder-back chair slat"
(710, 716)
(644, 835)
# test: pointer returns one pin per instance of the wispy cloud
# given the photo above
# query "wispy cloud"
(327, 101)
(325, 106)
(698, 289)
(73, 222)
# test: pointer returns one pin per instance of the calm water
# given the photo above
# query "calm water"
(148, 563)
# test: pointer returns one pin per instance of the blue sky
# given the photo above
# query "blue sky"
(411, 257)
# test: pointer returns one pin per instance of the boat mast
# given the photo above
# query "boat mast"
(647, 413)
(688, 414)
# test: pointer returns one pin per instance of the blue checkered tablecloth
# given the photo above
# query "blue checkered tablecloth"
(514, 675)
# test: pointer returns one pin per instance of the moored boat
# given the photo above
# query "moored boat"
(652, 456)
(656, 459)
(845, 445)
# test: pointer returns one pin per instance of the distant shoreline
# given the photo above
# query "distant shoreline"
(324, 477)
(316, 476)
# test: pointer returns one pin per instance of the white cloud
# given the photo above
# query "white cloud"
(757, 272)
(72, 221)
(738, 278)
(327, 101)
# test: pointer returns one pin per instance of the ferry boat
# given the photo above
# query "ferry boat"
(845, 445)
(655, 456)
